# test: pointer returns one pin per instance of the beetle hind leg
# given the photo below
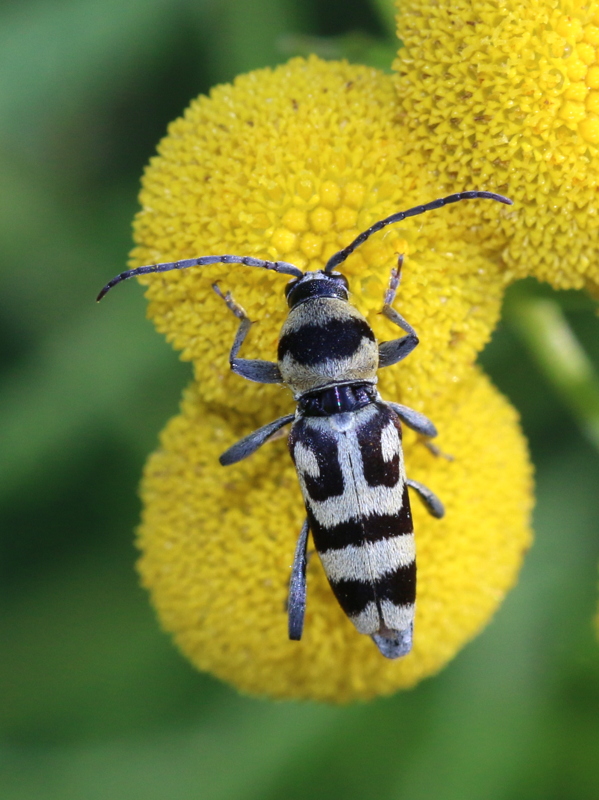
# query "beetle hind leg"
(429, 499)
(296, 603)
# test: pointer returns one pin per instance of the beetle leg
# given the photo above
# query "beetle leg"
(397, 349)
(296, 603)
(414, 420)
(431, 502)
(253, 369)
(249, 444)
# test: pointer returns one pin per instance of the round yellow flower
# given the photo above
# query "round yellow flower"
(217, 548)
(292, 164)
(507, 96)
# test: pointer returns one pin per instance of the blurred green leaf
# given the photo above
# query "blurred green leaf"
(247, 34)
(54, 251)
(54, 54)
(83, 657)
(236, 753)
(91, 375)
(489, 727)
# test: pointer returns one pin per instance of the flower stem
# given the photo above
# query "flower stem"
(551, 341)
(386, 12)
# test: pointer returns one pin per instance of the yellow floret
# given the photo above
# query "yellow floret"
(218, 543)
(494, 97)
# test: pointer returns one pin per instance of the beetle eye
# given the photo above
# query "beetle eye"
(290, 286)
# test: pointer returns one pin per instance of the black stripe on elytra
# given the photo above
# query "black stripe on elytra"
(399, 587)
(323, 446)
(316, 342)
(357, 532)
(377, 471)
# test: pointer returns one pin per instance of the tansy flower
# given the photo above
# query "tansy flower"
(507, 95)
(292, 164)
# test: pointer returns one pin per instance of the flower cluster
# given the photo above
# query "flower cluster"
(507, 96)
(291, 164)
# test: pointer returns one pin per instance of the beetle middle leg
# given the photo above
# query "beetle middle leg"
(250, 443)
(253, 369)
(414, 420)
(422, 425)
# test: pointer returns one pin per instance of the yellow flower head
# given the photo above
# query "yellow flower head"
(506, 95)
(292, 164)
(217, 548)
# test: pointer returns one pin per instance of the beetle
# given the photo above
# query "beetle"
(345, 440)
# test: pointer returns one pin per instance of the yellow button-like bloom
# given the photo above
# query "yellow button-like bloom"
(218, 547)
(506, 95)
(291, 164)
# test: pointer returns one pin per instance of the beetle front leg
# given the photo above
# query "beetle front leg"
(397, 349)
(253, 369)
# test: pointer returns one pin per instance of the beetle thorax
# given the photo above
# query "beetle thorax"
(326, 341)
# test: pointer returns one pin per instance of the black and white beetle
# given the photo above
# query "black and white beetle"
(345, 440)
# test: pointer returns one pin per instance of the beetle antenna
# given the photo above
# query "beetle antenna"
(277, 266)
(340, 257)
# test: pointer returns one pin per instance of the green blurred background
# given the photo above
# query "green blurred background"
(95, 702)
